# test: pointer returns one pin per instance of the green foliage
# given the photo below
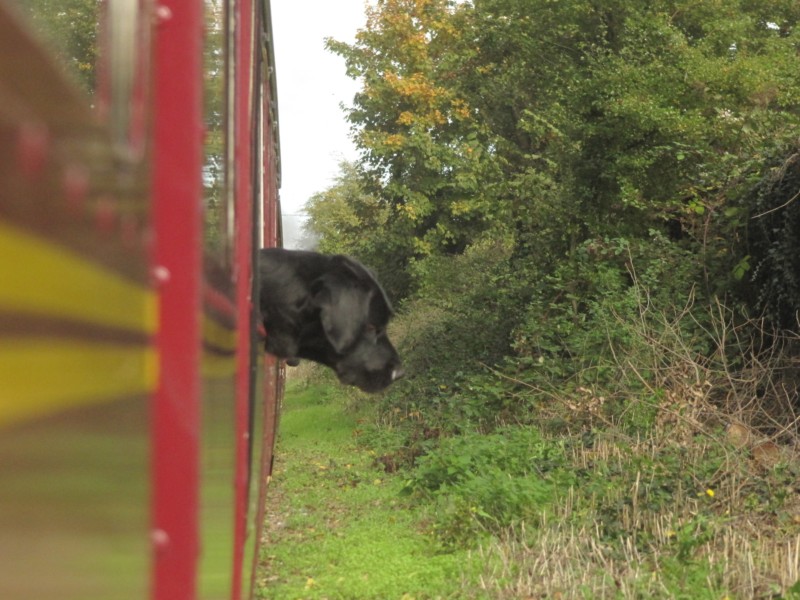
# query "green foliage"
(578, 322)
(419, 140)
(473, 295)
(565, 122)
(337, 526)
(462, 320)
(71, 26)
(578, 205)
(484, 483)
(348, 219)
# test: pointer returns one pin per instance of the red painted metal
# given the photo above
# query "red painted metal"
(94, 216)
(177, 254)
(244, 137)
(273, 369)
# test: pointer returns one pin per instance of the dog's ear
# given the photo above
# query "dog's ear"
(344, 306)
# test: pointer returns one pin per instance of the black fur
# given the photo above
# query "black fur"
(328, 309)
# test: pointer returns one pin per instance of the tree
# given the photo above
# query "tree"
(347, 219)
(571, 121)
(419, 139)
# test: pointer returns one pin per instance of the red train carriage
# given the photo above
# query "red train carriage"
(137, 415)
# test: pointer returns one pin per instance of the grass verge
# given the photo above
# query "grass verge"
(675, 475)
(337, 524)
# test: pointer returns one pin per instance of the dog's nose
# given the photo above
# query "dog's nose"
(398, 373)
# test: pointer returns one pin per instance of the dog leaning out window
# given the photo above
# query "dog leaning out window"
(328, 309)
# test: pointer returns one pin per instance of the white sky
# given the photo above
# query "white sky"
(311, 85)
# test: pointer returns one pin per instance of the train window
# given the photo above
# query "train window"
(71, 27)
(102, 45)
(217, 174)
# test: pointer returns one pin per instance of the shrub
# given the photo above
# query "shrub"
(484, 483)
(460, 319)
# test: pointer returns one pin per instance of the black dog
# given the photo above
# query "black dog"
(328, 309)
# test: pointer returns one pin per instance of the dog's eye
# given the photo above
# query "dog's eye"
(374, 329)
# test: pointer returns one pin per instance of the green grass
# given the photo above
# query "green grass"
(337, 525)
(678, 512)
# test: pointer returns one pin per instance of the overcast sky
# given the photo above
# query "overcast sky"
(311, 85)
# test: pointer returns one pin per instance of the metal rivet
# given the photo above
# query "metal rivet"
(160, 275)
(163, 14)
(160, 538)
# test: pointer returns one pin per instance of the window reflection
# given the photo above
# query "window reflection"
(216, 180)
(71, 27)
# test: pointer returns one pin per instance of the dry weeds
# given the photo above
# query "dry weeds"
(733, 534)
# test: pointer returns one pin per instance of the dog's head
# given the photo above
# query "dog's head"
(328, 309)
(354, 313)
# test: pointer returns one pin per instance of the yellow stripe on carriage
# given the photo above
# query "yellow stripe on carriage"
(41, 278)
(40, 377)
(222, 338)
